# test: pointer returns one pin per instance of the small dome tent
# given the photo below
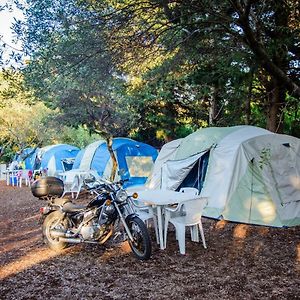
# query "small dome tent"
(55, 158)
(249, 174)
(27, 156)
(135, 158)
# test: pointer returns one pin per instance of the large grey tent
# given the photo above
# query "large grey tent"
(249, 174)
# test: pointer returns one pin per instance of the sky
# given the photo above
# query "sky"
(6, 21)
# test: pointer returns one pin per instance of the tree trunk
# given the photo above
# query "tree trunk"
(248, 100)
(113, 158)
(276, 100)
(213, 107)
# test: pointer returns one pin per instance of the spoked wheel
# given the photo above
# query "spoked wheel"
(54, 222)
(141, 244)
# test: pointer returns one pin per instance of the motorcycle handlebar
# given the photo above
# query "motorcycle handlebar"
(101, 183)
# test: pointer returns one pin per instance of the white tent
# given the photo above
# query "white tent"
(249, 174)
(167, 152)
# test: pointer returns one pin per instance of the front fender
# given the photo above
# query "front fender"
(130, 217)
(127, 222)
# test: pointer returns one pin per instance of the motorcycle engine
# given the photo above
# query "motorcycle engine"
(91, 230)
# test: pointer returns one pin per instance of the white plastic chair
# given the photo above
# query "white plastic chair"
(193, 191)
(190, 190)
(193, 211)
(23, 174)
(172, 211)
(72, 184)
(146, 213)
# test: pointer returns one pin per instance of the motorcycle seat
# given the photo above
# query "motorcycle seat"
(71, 207)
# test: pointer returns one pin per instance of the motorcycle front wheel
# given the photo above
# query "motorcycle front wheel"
(54, 221)
(141, 244)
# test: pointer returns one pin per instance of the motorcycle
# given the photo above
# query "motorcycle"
(109, 211)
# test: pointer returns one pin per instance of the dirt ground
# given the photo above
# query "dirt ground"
(241, 262)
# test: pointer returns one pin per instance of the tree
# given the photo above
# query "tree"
(21, 121)
(216, 63)
(26, 122)
(266, 30)
(71, 68)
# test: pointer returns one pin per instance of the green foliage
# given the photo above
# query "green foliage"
(163, 106)
(157, 70)
(79, 137)
(26, 122)
(72, 67)
(224, 43)
(292, 117)
(22, 122)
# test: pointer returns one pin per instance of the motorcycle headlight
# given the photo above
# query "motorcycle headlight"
(121, 196)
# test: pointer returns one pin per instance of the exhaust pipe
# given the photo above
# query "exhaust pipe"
(70, 240)
(57, 233)
(60, 234)
(63, 236)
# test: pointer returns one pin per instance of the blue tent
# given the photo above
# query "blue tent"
(135, 158)
(29, 154)
(56, 158)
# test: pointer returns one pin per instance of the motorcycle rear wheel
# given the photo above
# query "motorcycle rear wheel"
(55, 221)
(141, 245)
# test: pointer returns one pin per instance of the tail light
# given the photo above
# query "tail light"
(44, 210)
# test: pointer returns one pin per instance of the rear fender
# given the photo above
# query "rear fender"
(45, 211)
(54, 204)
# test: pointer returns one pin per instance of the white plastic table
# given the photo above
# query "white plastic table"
(160, 199)
(80, 173)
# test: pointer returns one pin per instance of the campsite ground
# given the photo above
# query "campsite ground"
(241, 262)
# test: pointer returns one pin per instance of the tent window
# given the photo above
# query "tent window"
(67, 164)
(139, 166)
(196, 176)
